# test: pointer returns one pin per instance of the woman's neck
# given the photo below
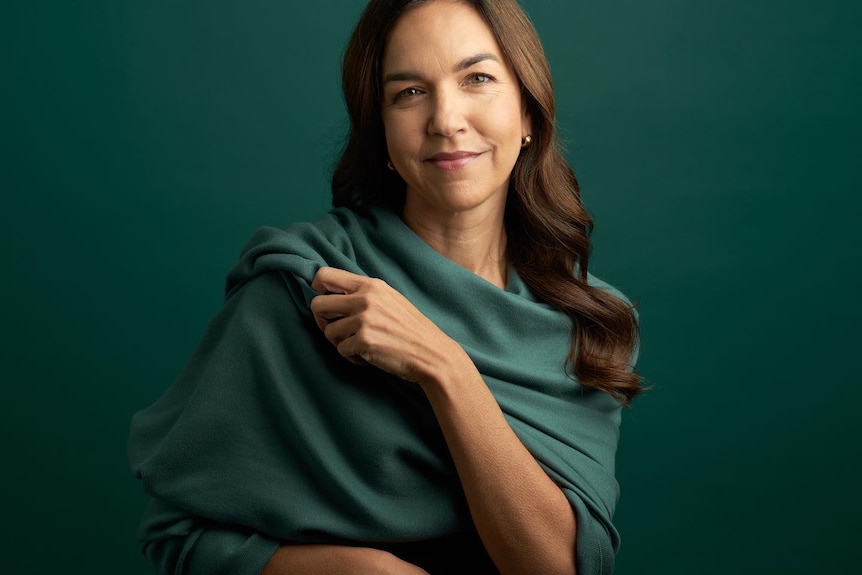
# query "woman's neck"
(474, 239)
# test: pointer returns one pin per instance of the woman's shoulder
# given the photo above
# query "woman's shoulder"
(337, 228)
(302, 247)
(332, 227)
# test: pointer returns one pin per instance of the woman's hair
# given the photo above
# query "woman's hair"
(547, 226)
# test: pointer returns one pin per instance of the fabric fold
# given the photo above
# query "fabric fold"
(268, 429)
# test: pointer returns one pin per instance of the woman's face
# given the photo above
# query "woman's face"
(452, 110)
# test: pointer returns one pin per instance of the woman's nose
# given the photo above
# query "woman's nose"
(448, 115)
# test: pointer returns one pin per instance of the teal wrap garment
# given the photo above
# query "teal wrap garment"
(269, 435)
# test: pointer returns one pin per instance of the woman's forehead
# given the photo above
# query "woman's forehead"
(440, 34)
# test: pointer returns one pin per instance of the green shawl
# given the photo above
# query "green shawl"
(269, 435)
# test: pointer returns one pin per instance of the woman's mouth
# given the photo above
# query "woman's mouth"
(451, 161)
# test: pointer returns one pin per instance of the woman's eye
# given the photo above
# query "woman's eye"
(408, 93)
(480, 79)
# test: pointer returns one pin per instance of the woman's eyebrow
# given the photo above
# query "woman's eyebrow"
(473, 60)
(460, 66)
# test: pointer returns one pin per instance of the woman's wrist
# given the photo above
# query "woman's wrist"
(448, 364)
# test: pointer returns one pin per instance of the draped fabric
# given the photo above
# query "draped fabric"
(268, 435)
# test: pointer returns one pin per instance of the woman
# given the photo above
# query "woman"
(427, 379)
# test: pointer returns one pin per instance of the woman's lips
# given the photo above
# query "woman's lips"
(451, 161)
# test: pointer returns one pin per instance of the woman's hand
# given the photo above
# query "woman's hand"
(336, 560)
(369, 322)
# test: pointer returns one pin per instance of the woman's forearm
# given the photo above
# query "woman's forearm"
(522, 516)
(336, 560)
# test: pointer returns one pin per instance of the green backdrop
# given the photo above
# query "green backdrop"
(717, 145)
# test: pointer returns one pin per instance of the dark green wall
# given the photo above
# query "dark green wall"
(717, 145)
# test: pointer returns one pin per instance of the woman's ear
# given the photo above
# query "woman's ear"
(526, 119)
(526, 124)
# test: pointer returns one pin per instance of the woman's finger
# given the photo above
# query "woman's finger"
(333, 307)
(329, 306)
(333, 281)
(353, 351)
(338, 330)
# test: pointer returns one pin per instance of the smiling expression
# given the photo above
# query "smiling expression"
(452, 110)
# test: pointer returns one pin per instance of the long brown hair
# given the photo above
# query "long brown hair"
(547, 225)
